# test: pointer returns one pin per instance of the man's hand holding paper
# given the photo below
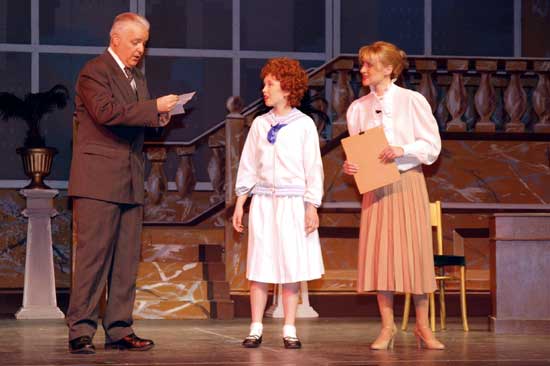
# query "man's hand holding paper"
(182, 100)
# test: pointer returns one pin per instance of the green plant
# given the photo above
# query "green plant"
(31, 109)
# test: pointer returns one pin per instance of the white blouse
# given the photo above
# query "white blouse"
(291, 166)
(407, 120)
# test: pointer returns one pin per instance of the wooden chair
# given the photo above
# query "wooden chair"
(441, 261)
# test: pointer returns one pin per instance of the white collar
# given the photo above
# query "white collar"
(117, 59)
(386, 100)
(290, 117)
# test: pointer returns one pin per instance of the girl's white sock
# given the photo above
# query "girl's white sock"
(289, 331)
(256, 329)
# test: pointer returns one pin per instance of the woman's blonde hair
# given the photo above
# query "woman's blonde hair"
(387, 53)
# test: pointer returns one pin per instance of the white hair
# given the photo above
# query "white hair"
(122, 20)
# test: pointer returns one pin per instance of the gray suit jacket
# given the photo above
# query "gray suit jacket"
(107, 162)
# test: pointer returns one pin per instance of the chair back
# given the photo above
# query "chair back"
(435, 219)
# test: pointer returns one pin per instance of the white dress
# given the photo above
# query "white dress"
(281, 177)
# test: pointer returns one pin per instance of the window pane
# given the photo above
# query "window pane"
(398, 21)
(535, 28)
(251, 84)
(15, 73)
(15, 21)
(283, 25)
(190, 24)
(473, 27)
(83, 23)
(57, 126)
(209, 77)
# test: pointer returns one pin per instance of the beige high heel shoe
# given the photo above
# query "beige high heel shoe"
(380, 343)
(427, 343)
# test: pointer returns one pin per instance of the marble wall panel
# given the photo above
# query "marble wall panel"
(491, 172)
(467, 171)
(154, 252)
(13, 233)
(189, 290)
(170, 271)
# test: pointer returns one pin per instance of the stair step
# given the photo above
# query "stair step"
(182, 235)
(182, 290)
(159, 252)
(335, 280)
(223, 309)
(154, 309)
(179, 271)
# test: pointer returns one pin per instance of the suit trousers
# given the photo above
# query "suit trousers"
(107, 253)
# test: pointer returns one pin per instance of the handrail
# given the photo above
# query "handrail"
(206, 133)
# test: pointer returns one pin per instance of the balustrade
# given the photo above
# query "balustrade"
(467, 95)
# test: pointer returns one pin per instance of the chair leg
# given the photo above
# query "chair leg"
(442, 308)
(463, 309)
(432, 311)
(406, 311)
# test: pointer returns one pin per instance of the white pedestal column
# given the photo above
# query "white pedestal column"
(304, 308)
(39, 301)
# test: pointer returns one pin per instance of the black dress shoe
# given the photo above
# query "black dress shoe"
(82, 345)
(252, 341)
(132, 343)
(292, 343)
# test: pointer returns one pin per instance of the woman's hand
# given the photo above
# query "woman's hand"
(390, 153)
(311, 219)
(350, 168)
(238, 214)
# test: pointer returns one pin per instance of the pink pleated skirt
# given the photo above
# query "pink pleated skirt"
(395, 238)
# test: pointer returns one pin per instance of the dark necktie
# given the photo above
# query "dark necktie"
(130, 76)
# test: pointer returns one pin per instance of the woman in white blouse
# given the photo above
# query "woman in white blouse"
(281, 167)
(395, 240)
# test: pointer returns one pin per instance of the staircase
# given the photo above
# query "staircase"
(182, 275)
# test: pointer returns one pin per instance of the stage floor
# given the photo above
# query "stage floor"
(327, 341)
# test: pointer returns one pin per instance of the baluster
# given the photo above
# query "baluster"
(499, 115)
(234, 142)
(485, 98)
(541, 97)
(185, 178)
(470, 115)
(235, 244)
(157, 183)
(342, 93)
(362, 90)
(456, 96)
(441, 112)
(216, 165)
(515, 98)
(426, 86)
(320, 104)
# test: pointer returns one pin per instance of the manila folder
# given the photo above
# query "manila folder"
(363, 149)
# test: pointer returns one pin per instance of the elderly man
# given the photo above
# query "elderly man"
(106, 182)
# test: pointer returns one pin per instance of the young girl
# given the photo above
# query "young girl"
(281, 167)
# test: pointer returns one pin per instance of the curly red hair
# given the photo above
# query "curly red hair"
(290, 74)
